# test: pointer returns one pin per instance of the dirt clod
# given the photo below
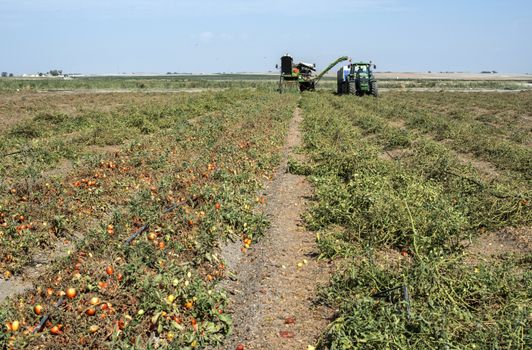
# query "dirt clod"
(289, 320)
(286, 334)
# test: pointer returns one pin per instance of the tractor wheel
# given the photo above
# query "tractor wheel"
(374, 89)
(352, 88)
(306, 86)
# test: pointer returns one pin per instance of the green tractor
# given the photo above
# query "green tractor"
(304, 74)
(357, 79)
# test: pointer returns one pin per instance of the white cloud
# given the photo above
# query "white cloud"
(206, 36)
(226, 36)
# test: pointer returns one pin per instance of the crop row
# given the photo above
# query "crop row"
(34, 178)
(395, 209)
(492, 126)
(141, 83)
(187, 183)
(226, 81)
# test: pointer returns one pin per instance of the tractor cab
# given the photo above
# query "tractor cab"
(361, 72)
(357, 79)
(359, 68)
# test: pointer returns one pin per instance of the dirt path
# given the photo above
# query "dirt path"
(272, 298)
(31, 273)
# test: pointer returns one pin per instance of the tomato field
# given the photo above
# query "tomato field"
(113, 207)
(188, 166)
(406, 189)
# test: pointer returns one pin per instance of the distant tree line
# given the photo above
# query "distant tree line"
(52, 72)
(55, 72)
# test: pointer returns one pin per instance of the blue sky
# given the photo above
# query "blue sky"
(110, 36)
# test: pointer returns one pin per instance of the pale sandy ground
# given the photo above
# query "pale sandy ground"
(452, 76)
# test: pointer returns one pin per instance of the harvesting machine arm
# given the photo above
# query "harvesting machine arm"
(329, 67)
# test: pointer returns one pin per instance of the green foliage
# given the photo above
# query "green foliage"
(487, 125)
(267, 82)
(454, 305)
(25, 131)
(395, 207)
